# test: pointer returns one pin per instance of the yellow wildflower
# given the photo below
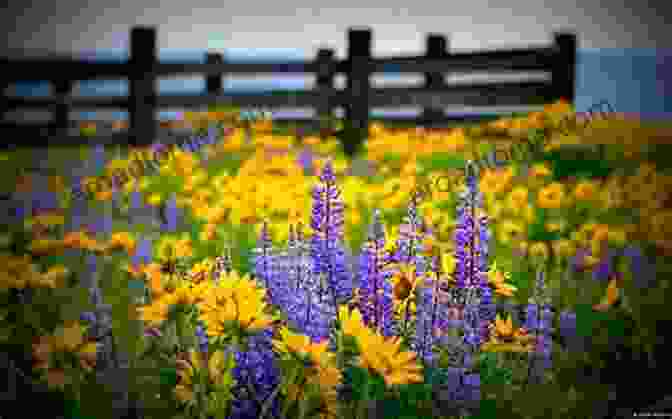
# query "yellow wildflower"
(551, 196)
(539, 250)
(385, 357)
(69, 337)
(497, 279)
(188, 370)
(517, 199)
(352, 323)
(563, 249)
(510, 231)
(585, 191)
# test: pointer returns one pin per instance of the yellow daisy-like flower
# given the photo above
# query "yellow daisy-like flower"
(122, 240)
(404, 283)
(321, 371)
(187, 371)
(49, 220)
(68, 338)
(555, 226)
(182, 295)
(385, 357)
(54, 275)
(539, 171)
(563, 249)
(200, 271)
(154, 199)
(586, 191)
(617, 237)
(46, 246)
(496, 181)
(551, 196)
(517, 199)
(505, 338)
(157, 312)
(238, 300)
(497, 279)
(88, 354)
(352, 322)
(174, 248)
(539, 251)
(509, 232)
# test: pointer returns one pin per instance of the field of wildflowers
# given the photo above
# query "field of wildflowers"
(264, 275)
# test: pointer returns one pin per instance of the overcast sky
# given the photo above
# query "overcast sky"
(399, 27)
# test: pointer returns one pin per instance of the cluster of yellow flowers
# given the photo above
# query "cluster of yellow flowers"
(20, 272)
(67, 338)
(381, 355)
(322, 372)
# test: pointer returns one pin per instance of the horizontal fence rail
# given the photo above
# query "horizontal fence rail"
(142, 70)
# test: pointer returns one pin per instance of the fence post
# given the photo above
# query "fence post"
(357, 110)
(213, 83)
(142, 86)
(4, 102)
(61, 121)
(437, 47)
(563, 73)
(325, 84)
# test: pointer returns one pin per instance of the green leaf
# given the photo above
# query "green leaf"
(168, 377)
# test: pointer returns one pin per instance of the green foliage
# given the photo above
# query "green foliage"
(572, 162)
(441, 161)
(491, 373)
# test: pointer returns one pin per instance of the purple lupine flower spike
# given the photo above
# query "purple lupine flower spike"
(263, 261)
(539, 322)
(255, 367)
(305, 160)
(45, 201)
(306, 309)
(327, 221)
(143, 253)
(202, 339)
(97, 159)
(605, 269)
(376, 301)
(135, 200)
(643, 271)
(171, 210)
(409, 244)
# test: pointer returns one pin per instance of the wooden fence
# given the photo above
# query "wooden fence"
(357, 99)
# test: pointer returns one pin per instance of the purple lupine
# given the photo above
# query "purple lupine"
(327, 250)
(135, 200)
(305, 159)
(263, 260)
(461, 390)
(472, 387)
(103, 224)
(472, 238)
(376, 303)
(605, 269)
(539, 323)
(567, 326)
(255, 367)
(304, 308)
(45, 201)
(143, 252)
(643, 272)
(97, 158)
(171, 214)
(202, 339)
(431, 313)
(409, 244)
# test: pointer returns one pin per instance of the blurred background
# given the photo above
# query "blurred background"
(623, 55)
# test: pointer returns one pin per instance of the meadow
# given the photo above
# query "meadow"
(265, 275)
